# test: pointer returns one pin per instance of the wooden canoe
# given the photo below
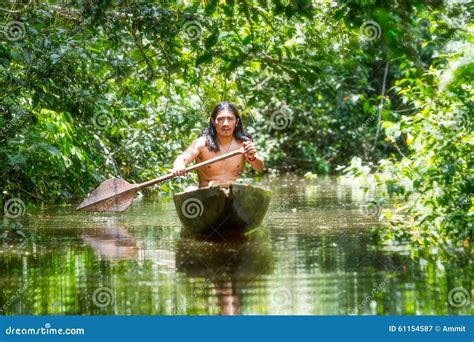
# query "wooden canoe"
(222, 210)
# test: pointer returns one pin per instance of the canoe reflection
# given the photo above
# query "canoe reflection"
(229, 266)
(112, 243)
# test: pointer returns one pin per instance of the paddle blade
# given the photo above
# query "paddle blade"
(115, 194)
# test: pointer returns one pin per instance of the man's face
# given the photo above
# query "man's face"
(225, 123)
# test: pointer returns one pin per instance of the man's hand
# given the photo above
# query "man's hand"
(249, 149)
(179, 169)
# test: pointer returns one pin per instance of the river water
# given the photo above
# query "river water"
(313, 255)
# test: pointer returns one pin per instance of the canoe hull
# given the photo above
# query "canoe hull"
(232, 211)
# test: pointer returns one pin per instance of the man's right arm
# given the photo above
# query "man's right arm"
(191, 153)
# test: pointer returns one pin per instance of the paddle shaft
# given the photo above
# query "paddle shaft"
(195, 166)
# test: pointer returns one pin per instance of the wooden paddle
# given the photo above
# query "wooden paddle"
(117, 194)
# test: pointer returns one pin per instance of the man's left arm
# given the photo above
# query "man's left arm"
(252, 156)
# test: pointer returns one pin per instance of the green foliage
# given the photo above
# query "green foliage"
(434, 178)
(97, 89)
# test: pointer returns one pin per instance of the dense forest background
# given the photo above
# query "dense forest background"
(379, 89)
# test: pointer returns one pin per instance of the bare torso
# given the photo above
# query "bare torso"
(225, 170)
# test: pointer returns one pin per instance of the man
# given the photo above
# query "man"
(224, 133)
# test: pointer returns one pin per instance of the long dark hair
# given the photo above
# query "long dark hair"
(210, 131)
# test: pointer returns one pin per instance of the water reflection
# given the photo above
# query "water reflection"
(313, 255)
(112, 243)
(229, 266)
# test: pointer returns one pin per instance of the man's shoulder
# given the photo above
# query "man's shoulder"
(200, 142)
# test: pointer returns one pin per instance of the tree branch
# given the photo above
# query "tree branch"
(384, 84)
